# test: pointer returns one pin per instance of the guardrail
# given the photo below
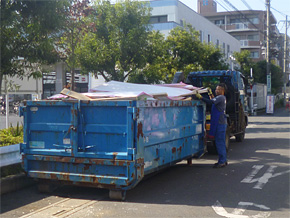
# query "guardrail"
(10, 155)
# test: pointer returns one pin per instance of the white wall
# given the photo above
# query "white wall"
(27, 86)
(177, 11)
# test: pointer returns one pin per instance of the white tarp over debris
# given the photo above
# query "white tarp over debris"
(115, 89)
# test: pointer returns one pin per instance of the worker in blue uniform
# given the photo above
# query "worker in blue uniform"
(218, 124)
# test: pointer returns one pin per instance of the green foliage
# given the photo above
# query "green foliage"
(116, 46)
(28, 30)
(75, 26)
(155, 71)
(245, 61)
(180, 51)
(279, 103)
(212, 58)
(260, 75)
(11, 136)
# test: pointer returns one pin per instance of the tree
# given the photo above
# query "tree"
(189, 54)
(75, 26)
(184, 47)
(157, 65)
(28, 31)
(260, 75)
(181, 51)
(212, 58)
(245, 61)
(116, 47)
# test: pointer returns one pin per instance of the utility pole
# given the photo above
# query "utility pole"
(268, 49)
(285, 61)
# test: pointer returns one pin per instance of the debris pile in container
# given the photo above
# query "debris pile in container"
(114, 90)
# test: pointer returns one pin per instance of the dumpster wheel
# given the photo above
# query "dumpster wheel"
(117, 194)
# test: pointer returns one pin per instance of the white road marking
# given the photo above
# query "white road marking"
(61, 209)
(251, 175)
(240, 210)
(261, 181)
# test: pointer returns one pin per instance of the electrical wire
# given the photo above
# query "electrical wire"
(224, 7)
(247, 5)
(244, 16)
(279, 11)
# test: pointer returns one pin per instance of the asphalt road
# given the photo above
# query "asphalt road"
(254, 184)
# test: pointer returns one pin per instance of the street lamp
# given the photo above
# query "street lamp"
(232, 58)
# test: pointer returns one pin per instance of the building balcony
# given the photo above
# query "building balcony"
(249, 44)
(238, 27)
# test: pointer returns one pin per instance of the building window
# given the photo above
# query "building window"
(228, 50)
(235, 20)
(254, 20)
(238, 37)
(244, 42)
(208, 38)
(253, 37)
(241, 26)
(158, 19)
(224, 48)
(255, 54)
(205, 2)
(182, 22)
(201, 36)
(219, 22)
(217, 43)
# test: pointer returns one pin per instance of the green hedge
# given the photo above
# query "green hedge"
(11, 136)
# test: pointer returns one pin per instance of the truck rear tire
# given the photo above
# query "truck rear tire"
(240, 137)
(227, 139)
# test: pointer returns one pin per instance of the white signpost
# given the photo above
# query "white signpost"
(270, 104)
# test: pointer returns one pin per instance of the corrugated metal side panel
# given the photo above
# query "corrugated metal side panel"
(168, 132)
(81, 142)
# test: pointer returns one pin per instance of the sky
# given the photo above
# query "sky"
(282, 6)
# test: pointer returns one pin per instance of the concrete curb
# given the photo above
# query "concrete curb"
(15, 182)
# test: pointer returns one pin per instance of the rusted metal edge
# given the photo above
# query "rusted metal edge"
(80, 160)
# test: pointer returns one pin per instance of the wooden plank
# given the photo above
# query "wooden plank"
(74, 94)
(114, 99)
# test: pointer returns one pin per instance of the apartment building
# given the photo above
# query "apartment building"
(168, 14)
(248, 26)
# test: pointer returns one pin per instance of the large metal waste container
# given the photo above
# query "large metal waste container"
(108, 144)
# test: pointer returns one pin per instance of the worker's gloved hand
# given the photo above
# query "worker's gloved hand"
(198, 95)
(209, 91)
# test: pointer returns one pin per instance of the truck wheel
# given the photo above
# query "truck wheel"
(240, 137)
(227, 140)
(117, 195)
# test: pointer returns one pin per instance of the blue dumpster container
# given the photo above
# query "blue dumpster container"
(109, 144)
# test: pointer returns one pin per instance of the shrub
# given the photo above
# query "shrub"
(11, 136)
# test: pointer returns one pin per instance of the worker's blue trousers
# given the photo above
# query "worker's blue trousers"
(220, 142)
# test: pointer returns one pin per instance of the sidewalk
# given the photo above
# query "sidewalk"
(280, 112)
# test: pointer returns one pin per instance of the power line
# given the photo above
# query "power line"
(279, 11)
(282, 27)
(244, 16)
(247, 5)
(222, 6)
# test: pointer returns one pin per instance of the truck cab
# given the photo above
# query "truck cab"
(237, 105)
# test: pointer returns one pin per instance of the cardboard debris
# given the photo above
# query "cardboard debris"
(74, 94)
